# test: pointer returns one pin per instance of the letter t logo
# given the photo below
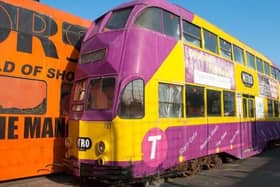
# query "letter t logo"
(153, 140)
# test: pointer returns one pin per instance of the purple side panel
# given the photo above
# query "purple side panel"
(197, 141)
(112, 41)
(144, 52)
(200, 140)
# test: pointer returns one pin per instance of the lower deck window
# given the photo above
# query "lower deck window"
(170, 101)
(101, 93)
(213, 103)
(229, 103)
(132, 100)
(269, 108)
(195, 101)
(276, 109)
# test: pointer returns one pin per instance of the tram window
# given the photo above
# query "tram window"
(150, 18)
(245, 114)
(192, 33)
(213, 103)
(210, 41)
(195, 101)
(276, 109)
(171, 25)
(132, 100)
(251, 108)
(101, 94)
(97, 25)
(251, 60)
(266, 68)
(269, 108)
(274, 73)
(259, 65)
(118, 19)
(80, 90)
(170, 101)
(225, 49)
(229, 103)
(238, 54)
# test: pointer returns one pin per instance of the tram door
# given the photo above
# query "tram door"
(249, 122)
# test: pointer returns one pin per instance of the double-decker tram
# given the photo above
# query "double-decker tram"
(160, 91)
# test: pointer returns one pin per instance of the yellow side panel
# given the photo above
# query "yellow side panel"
(240, 86)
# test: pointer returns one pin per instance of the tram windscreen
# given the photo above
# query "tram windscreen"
(101, 94)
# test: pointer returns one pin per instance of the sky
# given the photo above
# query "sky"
(254, 22)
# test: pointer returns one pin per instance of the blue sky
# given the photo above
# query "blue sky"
(255, 22)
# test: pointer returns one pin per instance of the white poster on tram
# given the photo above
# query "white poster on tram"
(259, 108)
(268, 87)
(207, 69)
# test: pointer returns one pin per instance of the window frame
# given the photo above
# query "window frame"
(163, 13)
(231, 114)
(101, 91)
(249, 57)
(219, 112)
(259, 62)
(238, 49)
(79, 90)
(191, 35)
(124, 23)
(208, 42)
(274, 73)
(270, 110)
(276, 109)
(132, 116)
(267, 69)
(161, 22)
(224, 51)
(181, 104)
(189, 107)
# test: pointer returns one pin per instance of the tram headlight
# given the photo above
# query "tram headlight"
(100, 148)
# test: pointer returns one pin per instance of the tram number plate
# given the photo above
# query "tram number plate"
(84, 143)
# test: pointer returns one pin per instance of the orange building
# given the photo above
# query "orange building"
(39, 50)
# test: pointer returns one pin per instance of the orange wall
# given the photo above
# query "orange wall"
(39, 50)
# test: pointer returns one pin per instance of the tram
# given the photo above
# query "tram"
(159, 89)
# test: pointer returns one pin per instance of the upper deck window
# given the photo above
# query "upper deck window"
(97, 25)
(251, 60)
(191, 33)
(101, 93)
(150, 19)
(118, 19)
(171, 25)
(274, 73)
(259, 65)
(266, 68)
(210, 41)
(160, 21)
(225, 49)
(238, 54)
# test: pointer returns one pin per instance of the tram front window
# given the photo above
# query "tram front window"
(101, 94)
